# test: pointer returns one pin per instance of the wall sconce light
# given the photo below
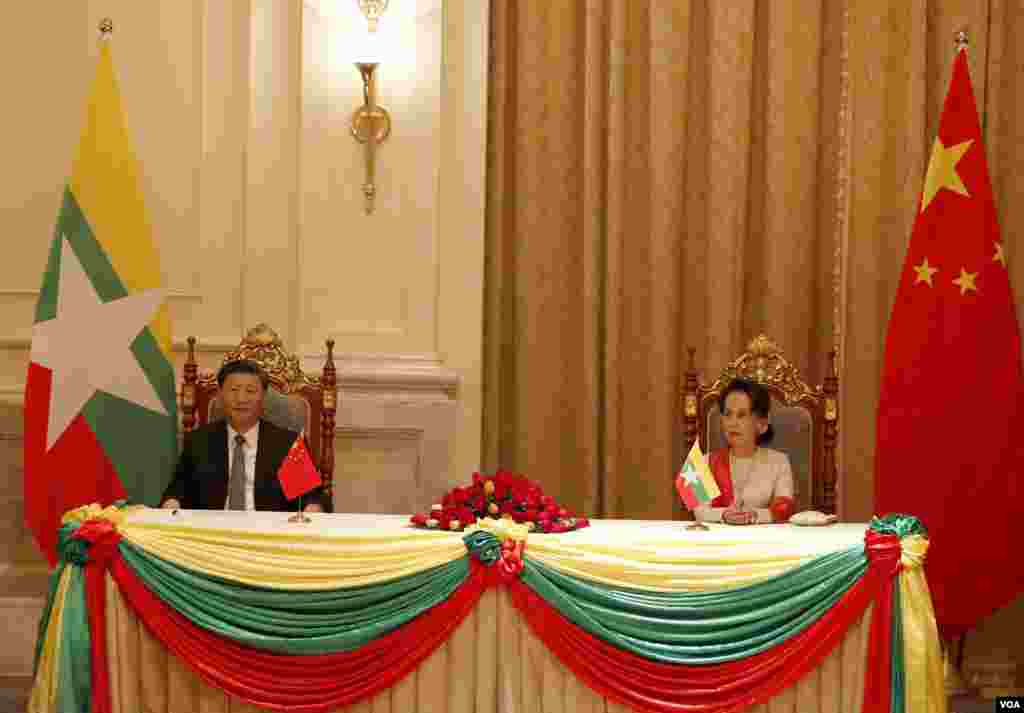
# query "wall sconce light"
(372, 10)
(371, 123)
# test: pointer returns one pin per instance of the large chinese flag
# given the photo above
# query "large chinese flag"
(100, 411)
(950, 435)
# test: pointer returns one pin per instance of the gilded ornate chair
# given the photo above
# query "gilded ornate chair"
(805, 420)
(295, 400)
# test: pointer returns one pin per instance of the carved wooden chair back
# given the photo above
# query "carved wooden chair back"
(295, 400)
(805, 419)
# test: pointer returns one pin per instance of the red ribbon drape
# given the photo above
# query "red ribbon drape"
(102, 539)
(884, 554)
(658, 687)
(316, 683)
(300, 684)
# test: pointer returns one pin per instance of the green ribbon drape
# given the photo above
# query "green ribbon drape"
(295, 622)
(706, 627)
(74, 687)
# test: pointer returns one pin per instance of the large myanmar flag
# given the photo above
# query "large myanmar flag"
(950, 449)
(100, 410)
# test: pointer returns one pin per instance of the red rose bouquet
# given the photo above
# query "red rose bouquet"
(502, 495)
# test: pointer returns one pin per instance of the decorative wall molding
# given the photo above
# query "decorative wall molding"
(393, 373)
(207, 345)
(172, 294)
(15, 341)
(354, 432)
(11, 394)
(203, 344)
(389, 373)
(993, 678)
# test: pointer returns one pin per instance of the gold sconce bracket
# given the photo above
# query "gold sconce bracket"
(370, 126)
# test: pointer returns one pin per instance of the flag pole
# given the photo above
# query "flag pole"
(300, 516)
(952, 666)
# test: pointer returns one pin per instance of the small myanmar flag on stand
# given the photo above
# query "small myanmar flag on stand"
(100, 408)
(695, 483)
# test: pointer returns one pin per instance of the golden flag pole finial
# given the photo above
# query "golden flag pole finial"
(961, 40)
(106, 28)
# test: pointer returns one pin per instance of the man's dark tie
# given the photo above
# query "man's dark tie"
(236, 484)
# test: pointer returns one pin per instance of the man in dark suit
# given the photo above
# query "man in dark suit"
(232, 463)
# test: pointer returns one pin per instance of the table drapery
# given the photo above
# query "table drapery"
(343, 610)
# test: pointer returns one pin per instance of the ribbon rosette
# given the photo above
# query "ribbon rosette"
(501, 541)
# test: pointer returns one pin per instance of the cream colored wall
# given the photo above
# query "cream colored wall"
(238, 110)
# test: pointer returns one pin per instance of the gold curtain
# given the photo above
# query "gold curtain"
(660, 175)
(693, 173)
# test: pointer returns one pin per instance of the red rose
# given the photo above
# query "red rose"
(466, 516)
(531, 515)
(547, 500)
(436, 513)
(582, 522)
(478, 479)
(419, 519)
(508, 507)
(563, 513)
(559, 527)
(551, 508)
(448, 501)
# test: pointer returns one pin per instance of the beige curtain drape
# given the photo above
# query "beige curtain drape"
(695, 173)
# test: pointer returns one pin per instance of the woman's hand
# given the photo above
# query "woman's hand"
(782, 509)
(733, 516)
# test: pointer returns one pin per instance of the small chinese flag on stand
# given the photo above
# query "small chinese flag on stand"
(695, 483)
(297, 473)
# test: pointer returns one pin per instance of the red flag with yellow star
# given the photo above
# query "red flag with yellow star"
(297, 473)
(949, 449)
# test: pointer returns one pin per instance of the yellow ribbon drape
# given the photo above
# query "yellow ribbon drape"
(665, 558)
(300, 561)
(44, 688)
(925, 689)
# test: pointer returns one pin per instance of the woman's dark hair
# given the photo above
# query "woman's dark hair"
(760, 404)
(242, 366)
